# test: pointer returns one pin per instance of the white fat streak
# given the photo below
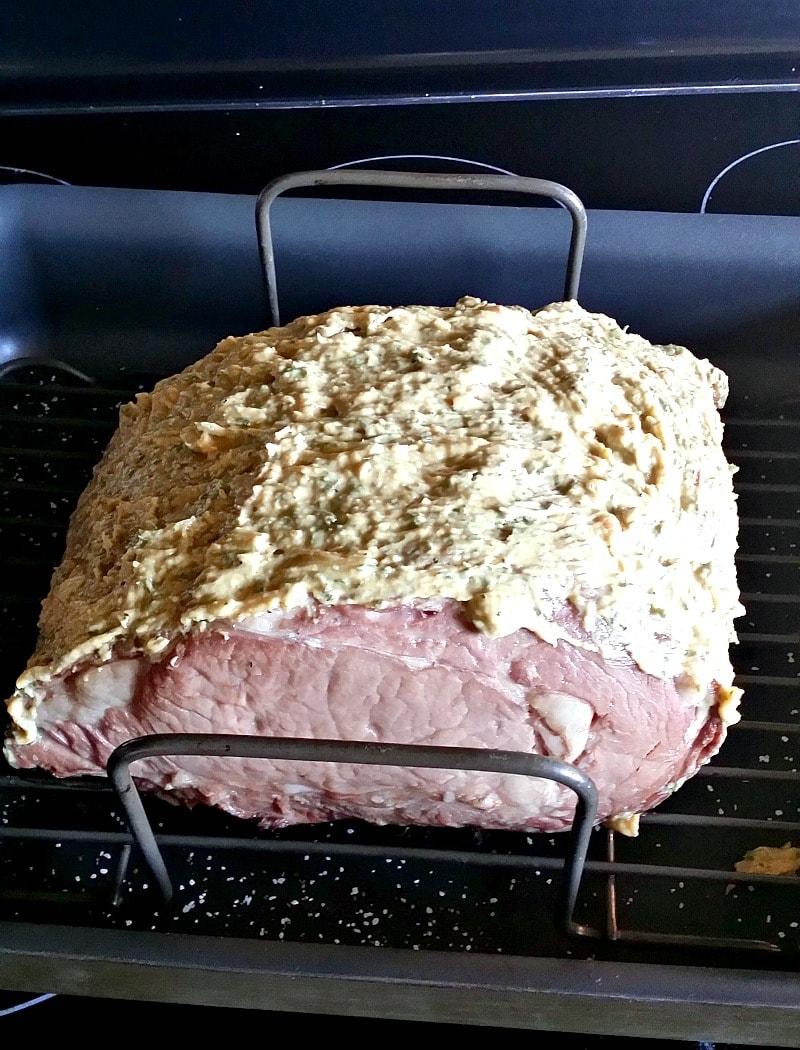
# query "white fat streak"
(566, 723)
(85, 697)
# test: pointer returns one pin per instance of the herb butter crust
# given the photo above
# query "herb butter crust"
(515, 462)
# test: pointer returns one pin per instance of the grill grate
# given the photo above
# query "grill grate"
(67, 856)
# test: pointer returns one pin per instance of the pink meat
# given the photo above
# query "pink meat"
(413, 674)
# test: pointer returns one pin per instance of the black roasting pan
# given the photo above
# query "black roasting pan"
(104, 290)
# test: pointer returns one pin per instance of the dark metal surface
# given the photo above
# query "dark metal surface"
(623, 999)
(109, 280)
(197, 56)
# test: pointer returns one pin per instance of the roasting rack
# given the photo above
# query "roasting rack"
(92, 857)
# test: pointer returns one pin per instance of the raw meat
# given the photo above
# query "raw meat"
(469, 526)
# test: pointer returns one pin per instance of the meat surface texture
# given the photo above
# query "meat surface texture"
(408, 674)
(469, 526)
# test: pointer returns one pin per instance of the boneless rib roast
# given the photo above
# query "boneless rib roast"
(472, 525)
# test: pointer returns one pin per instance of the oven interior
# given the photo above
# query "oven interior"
(105, 290)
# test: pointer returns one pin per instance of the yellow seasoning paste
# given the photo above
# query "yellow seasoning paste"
(512, 461)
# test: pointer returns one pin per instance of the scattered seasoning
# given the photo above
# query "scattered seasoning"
(771, 860)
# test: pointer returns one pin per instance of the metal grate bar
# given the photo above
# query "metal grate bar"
(777, 523)
(771, 559)
(751, 453)
(60, 423)
(521, 861)
(766, 487)
(14, 521)
(767, 727)
(24, 781)
(775, 599)
(48, 454)
(743, 773)
(19, 562)
(777, 680)
(13, 598)
(769, 639)
(742, 421)
(86, 393)
(23, 488)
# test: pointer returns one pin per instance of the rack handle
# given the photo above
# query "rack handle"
(426, 756)
(417, 180)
